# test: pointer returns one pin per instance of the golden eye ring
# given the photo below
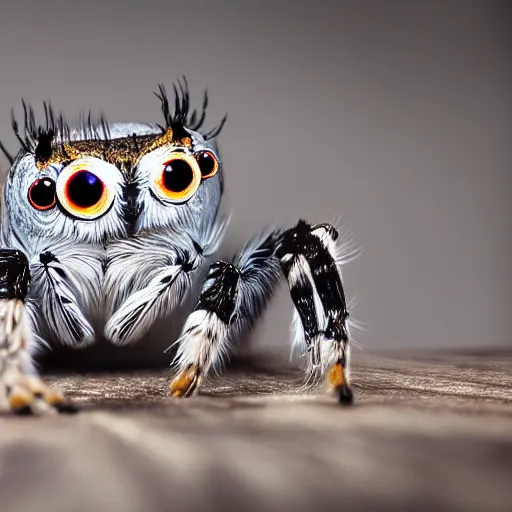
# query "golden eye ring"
(82, 193)
(177, 179)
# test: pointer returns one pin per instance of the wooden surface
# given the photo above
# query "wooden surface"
(426, 433)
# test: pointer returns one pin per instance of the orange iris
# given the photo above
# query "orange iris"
(82, 193)
(207, 163)
(178, 178)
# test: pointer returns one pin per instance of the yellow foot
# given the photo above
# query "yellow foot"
(21, 392)
(336, 376)
(27, 394)
(186, 382)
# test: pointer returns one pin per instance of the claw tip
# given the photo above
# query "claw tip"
(345, 396)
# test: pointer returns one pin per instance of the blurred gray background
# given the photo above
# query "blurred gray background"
(395, 115)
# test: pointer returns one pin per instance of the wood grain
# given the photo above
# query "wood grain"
(427, 432)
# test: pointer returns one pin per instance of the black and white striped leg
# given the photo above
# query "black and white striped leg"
(310, 261)
(56, 275)
(21, 391)
(235, 294)
(232, 298)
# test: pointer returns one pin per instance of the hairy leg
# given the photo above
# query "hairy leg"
(236, 292)
(21, 391)
(148, 276)
(65, 291)
(311, 260)
(232, 299)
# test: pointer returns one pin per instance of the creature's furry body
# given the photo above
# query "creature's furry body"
(111, 269)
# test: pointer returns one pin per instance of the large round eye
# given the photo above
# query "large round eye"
(177, 179)
(41, 194)
(81, 192)
(207, 163)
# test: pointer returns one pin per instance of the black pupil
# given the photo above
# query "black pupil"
(84, 189)
(206, 163)
(42, 193)
(178, 175)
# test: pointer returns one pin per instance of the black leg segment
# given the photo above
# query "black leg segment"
(233, 297)
(14, 274)
(308, 260)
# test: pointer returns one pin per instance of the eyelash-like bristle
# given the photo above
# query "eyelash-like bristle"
(7, 154)
(182, 117)
(56, 129)
(38, 138)
(35, 138)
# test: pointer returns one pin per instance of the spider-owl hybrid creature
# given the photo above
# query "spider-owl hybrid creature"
(105, 228)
